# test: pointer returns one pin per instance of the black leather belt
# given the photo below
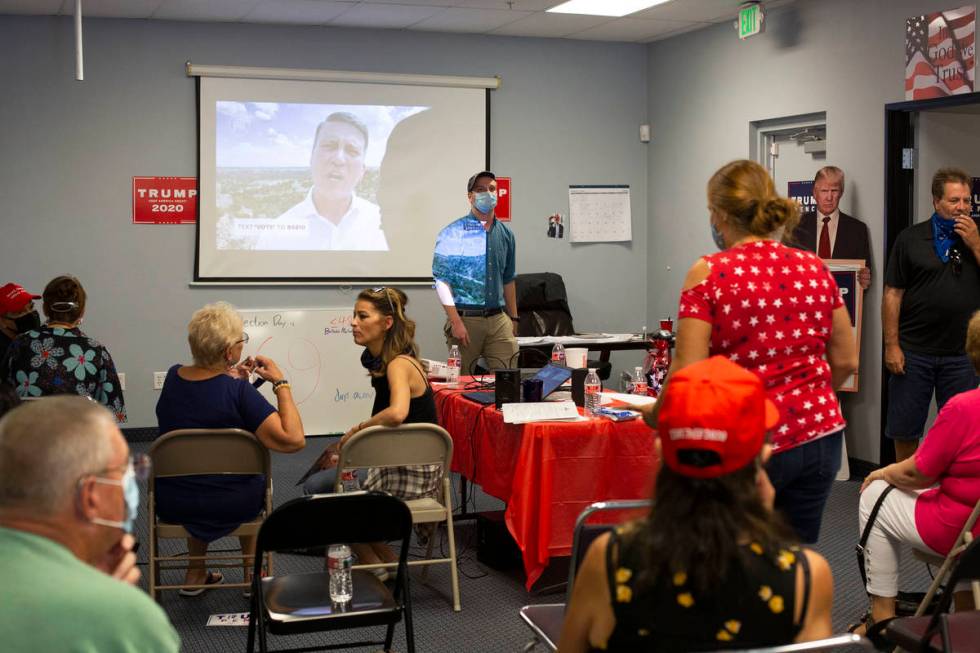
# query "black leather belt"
(478, 312)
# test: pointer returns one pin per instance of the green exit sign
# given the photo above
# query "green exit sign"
(750, 19)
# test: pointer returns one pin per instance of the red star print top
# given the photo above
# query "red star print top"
(770, 308)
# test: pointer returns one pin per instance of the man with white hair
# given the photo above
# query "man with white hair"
(68, 498)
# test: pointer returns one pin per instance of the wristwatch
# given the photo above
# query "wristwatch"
(515, 318)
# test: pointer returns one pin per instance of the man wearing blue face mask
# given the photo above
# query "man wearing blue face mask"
(932, 288)
(474, 268)
(68, 498)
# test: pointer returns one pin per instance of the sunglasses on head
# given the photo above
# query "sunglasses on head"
(386, 291)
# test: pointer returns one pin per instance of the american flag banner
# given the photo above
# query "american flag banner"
(939, 53)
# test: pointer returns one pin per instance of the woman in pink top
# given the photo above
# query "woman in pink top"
(928, 520)
(776, 311)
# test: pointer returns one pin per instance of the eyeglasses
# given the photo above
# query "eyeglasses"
(244, 339)
(957, 259)
(140, 463)
(385, 290)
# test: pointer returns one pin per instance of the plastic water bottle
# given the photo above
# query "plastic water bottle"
(593, 390)
(639, 381)
(558, 354)
(339, 563)
(453, 363)
(348, 481)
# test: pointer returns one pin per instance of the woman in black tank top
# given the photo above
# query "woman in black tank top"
(711, 567)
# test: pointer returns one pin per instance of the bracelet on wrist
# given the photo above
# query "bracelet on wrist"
(515, 318)
(281, 383)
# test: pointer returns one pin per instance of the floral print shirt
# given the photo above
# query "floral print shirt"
(56, 360)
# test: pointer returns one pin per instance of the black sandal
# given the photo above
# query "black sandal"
(866, 621)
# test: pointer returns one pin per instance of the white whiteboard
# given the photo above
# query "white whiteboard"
(316, 351)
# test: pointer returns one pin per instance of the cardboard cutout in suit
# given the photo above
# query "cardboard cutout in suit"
(852, 242)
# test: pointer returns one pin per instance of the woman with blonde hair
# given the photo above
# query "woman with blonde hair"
(402, 396)
(778, 312)
(214, 392)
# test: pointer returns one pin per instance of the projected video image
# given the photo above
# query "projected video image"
(301, 177)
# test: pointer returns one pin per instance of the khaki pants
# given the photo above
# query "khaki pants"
(491, 337)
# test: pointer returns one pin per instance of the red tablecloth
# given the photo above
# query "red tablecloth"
(546, 472)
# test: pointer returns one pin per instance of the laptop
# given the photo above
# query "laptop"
(551, 377)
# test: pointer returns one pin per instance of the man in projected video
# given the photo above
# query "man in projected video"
(473, 267)
(332, 216)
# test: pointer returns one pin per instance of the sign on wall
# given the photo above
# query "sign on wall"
(502, 211)
(164, 200)
(802, 192)
(940, 53)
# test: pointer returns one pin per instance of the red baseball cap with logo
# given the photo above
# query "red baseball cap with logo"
(714, 418)
(14, 299)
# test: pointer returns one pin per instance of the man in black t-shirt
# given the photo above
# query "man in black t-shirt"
(932, 287)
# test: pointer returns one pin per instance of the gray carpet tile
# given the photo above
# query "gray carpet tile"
(489, 619)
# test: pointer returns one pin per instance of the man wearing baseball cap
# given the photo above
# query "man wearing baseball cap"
(17, 313)
(711, 567)
(473, 267)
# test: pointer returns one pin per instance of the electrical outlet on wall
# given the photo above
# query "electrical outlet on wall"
(158, 379)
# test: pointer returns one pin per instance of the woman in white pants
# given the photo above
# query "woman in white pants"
(911, 515)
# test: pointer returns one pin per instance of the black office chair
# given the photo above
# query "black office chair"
(300, 603)
(545, 619)
(542, 305)
(942, 631)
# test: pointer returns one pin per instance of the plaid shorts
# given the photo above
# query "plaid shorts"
(412, 482)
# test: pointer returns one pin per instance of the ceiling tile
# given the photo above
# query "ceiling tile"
(419, 3)
(31, 7)
(297, 12)
(632, 29)
(464, 19)
(391, 16)
(114, 8)
(220, 10)
(551, 25)
(517, 5)
(704, 11)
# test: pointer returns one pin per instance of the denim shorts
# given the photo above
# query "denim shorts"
(910, 394)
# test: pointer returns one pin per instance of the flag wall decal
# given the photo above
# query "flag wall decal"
(940, 53)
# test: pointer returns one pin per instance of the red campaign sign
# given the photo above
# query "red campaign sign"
(164, 200)
(503, 199)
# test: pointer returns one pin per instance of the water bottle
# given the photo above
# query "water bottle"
(348, 481)
(558, 354)
(453, 363)
(593, 388)
(339, 563)
(639, 381)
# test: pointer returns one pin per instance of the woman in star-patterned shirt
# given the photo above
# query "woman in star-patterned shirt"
(777, 311)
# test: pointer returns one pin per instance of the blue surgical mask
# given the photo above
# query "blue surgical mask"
(131, 493)
(716, 236)
(485, 202)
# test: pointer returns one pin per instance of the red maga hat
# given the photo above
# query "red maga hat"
(714, 406)
(14, 299)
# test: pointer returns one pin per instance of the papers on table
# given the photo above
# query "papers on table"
(636, 400)
(541, 411)
(580, 339)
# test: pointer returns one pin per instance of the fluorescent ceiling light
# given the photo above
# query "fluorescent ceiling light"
(615, 8)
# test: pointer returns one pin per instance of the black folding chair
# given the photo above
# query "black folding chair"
(300, 603)
(546, 619)
(942, 631)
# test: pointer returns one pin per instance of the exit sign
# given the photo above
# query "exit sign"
(750, 19)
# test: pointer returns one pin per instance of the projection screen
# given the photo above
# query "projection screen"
(331, 181)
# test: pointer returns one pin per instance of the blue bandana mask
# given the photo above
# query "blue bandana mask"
(131, 493)
(943, 236)
(485, 202)
(716, 236)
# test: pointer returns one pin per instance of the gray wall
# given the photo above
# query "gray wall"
(943, 139)
(567, 113)
(838, 56)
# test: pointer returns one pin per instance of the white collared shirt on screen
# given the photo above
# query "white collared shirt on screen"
(359, 229)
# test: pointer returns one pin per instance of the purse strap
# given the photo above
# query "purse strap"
(867, 533)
